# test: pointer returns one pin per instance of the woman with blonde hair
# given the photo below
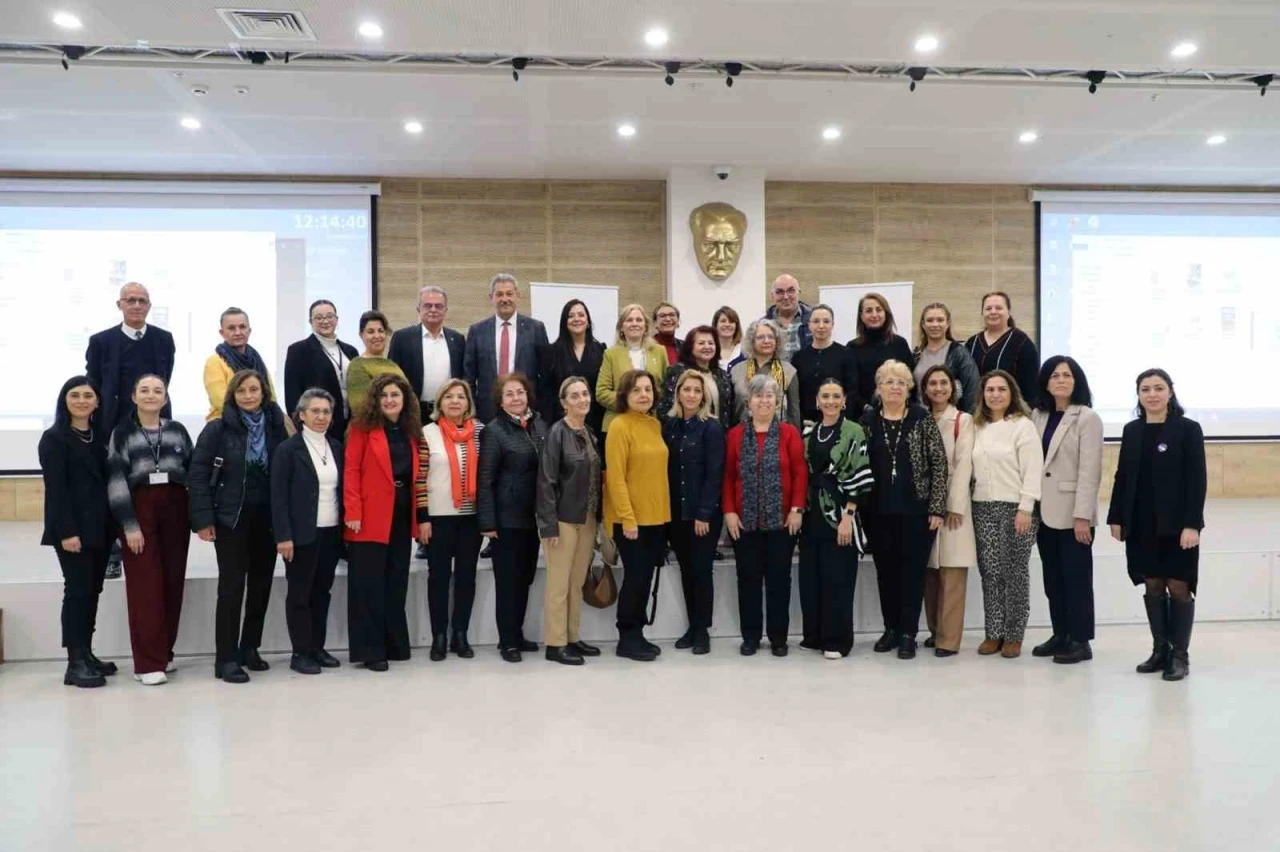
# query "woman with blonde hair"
(633, 349)
(762, 348)
(936, 346)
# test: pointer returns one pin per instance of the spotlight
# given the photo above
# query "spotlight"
(673, 68)
(926, 44)
(71, 52)
(656, 37)
(916, 73)
(67, 21)
(1183, 50)
(257, 57)
(1262, 82)
(518, 64)
(1095, 78)
(732, 69)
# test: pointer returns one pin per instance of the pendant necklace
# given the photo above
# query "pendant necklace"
(893, 450)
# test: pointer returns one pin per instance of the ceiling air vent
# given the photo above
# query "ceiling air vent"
(267, 24)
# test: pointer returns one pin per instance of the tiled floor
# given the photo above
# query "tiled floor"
(710, 753)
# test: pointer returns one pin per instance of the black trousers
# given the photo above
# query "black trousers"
(377, 584)
(764, 584)
(696, 555)
(453, 552)
(82, 577)
(1067, 567)
(515, 562)
(828, 576)
(246, 563)
(640, 556)
(310, 579)
(900, 546)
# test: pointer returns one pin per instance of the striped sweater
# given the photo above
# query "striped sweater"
(131, 460)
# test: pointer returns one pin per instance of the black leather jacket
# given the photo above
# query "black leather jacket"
(506, 484)
(564, 479)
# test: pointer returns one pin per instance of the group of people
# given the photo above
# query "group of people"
(933, 459)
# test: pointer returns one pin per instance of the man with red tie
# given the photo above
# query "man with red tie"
(504, 343)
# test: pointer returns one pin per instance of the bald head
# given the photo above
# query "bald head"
(134, 304)
(786, 295)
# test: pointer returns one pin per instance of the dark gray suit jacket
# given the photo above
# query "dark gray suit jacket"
(480, 364)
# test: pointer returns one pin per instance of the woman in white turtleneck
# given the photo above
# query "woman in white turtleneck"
(634, 350)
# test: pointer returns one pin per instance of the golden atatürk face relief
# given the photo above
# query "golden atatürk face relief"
(718, 229)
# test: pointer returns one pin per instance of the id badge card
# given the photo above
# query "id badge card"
(158, 478)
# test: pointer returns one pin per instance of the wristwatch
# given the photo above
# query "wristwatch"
(848, 513)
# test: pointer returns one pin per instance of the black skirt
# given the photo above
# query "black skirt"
(1162, 557)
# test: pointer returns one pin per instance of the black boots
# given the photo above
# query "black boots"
(1073, 652)
(1055, 644)
(701, 641)
(887, 642)
(1182, 615)
(1158, 617)
(105, 668)
(460, 646)
(80, 672)
(685, 641)
(439, 647)
(252, 660)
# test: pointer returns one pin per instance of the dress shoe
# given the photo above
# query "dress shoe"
(377, 665)
(106, 668)
(325, 659)
(461, 647)
(253, 661)
(907, 648)
(565, 655)
(931, 642)
(1051, 647)
(1074, 652)
(439, 647)
(512, 655)
(702, 643)
(633, 651)
(152, 678)
(990, 646)
(304, 664)
(748, 648)
(779, 650)
(887, 642)
(685, 641)
(1011, 650)
(585, 649)
(527, 646)
(230, 673)
(80, 672)
(943, 652)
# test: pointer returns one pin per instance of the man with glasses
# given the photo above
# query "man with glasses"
(428, 353)
(791, 314)
(666, 319)
(320, 360)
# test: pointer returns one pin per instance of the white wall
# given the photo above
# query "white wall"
(695, 294)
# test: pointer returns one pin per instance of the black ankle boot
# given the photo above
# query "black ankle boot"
(685, 641)
(80, 673)
(887, 642)
(1055, 644)
(439, 647)
(1158, 618)
(461, 646)
(103, 667)
(1182, 615)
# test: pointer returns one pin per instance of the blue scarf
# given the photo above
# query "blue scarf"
(250, 360)
(256, 423)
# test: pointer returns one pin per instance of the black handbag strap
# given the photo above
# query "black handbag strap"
(653, 602)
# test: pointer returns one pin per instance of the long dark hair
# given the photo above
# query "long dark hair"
(1175, 407)
(565, 340)
(62, 414)
(686, 347)
(1080, 394)
(890, 327)
(370, 416)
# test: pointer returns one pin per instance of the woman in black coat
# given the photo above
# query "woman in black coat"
(695, 470)
(1157, 510)
(510, 450)
(877, 342)
(77, 523)
(230, 488)
(575, 352)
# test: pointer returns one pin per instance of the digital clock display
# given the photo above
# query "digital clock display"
(331, 221)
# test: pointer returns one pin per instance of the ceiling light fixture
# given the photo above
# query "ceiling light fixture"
(626, 131)
(731, 70)
(66, 20)
(1262, 81)
(518, 64)
(413, 126)
(190, 122)
(926, 44)
(1183, 50)
(1028, 137)
(656, 37)
(1095, 79)
(1216, 139)
(673, 68)
(831, 134)
(370, 29)
(916, 73)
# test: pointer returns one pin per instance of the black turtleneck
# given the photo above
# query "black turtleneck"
(877, 347)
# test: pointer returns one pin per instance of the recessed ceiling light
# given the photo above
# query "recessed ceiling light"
(656, 37)
(1216, 139)
(626, 131)
(190, 122)
(370, 29)
(66, 20)
(831, 134)
(1183, 50)
(926, 44)
(1028, 136)
(412, 126)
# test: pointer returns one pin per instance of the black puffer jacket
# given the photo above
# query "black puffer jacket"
(216, 481)
(508, 476)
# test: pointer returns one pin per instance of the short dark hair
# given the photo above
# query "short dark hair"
(1175, 407)
(627, 384)
(946, 371)
(317, 303)
(230, 312)
(686, 346)
(1080, 394)
(501, 383)
(372, 316)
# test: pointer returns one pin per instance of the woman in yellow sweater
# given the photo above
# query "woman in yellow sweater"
(637, 505)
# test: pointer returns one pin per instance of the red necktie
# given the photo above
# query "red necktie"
(504, 350)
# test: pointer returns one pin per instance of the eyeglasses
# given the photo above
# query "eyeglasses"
(763, 338)
(324, 317)
(894, 383)
(136, 300)
(791, 291)
(434, 306)
(668, 315)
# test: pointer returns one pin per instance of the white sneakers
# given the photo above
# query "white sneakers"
(831, 655)
(151, 678)
(171, 666)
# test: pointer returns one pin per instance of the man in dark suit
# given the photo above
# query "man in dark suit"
(117, 357)
(428, 353)
(504, 343)
(320, 360)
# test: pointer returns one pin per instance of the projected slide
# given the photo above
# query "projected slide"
(1194, 292)
(61, 268)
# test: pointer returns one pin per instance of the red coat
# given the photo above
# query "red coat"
(794, 470)
(368, 488)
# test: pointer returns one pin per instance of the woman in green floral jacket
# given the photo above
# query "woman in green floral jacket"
(831, 539)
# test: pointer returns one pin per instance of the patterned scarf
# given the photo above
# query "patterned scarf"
(256, 424)
(464, 493)
(775, 373)
(761, 479)
(250, 360)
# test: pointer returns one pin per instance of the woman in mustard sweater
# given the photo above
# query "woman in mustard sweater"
(637, 505)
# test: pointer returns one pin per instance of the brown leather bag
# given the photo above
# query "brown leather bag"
(600, 590)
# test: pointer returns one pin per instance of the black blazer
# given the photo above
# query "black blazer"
(695, 467)
(307, 365)
(102, 364)
(75, 488)
(295, 490)
(557, 363)
(406, 350)
(215, 480)
(480, 362)
(1178, 477)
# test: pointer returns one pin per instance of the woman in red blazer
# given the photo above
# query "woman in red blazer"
(381, 520)
(763, 497)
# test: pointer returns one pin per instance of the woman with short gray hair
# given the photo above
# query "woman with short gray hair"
(761, 348)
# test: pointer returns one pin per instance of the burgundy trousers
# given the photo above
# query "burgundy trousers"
(154, 578)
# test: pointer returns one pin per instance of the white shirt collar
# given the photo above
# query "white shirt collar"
(499, 320)
(133, 332)
(426, 332)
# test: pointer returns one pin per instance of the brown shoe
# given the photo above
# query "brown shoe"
(989, 646)
(1011, 650)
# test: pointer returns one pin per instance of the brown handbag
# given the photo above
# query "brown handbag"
(600, 590)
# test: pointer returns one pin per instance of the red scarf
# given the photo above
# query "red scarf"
(464, 493)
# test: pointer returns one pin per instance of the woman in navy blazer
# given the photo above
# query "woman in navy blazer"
(73, 463)
(1157, 510)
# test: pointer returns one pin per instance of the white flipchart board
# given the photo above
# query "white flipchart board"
(547, 300)
(843, 299)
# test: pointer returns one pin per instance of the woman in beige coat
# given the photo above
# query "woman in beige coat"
(954, 551)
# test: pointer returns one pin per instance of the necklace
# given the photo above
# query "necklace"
(85, 435)
(834, 429)
(893, 450)
(324, 442)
